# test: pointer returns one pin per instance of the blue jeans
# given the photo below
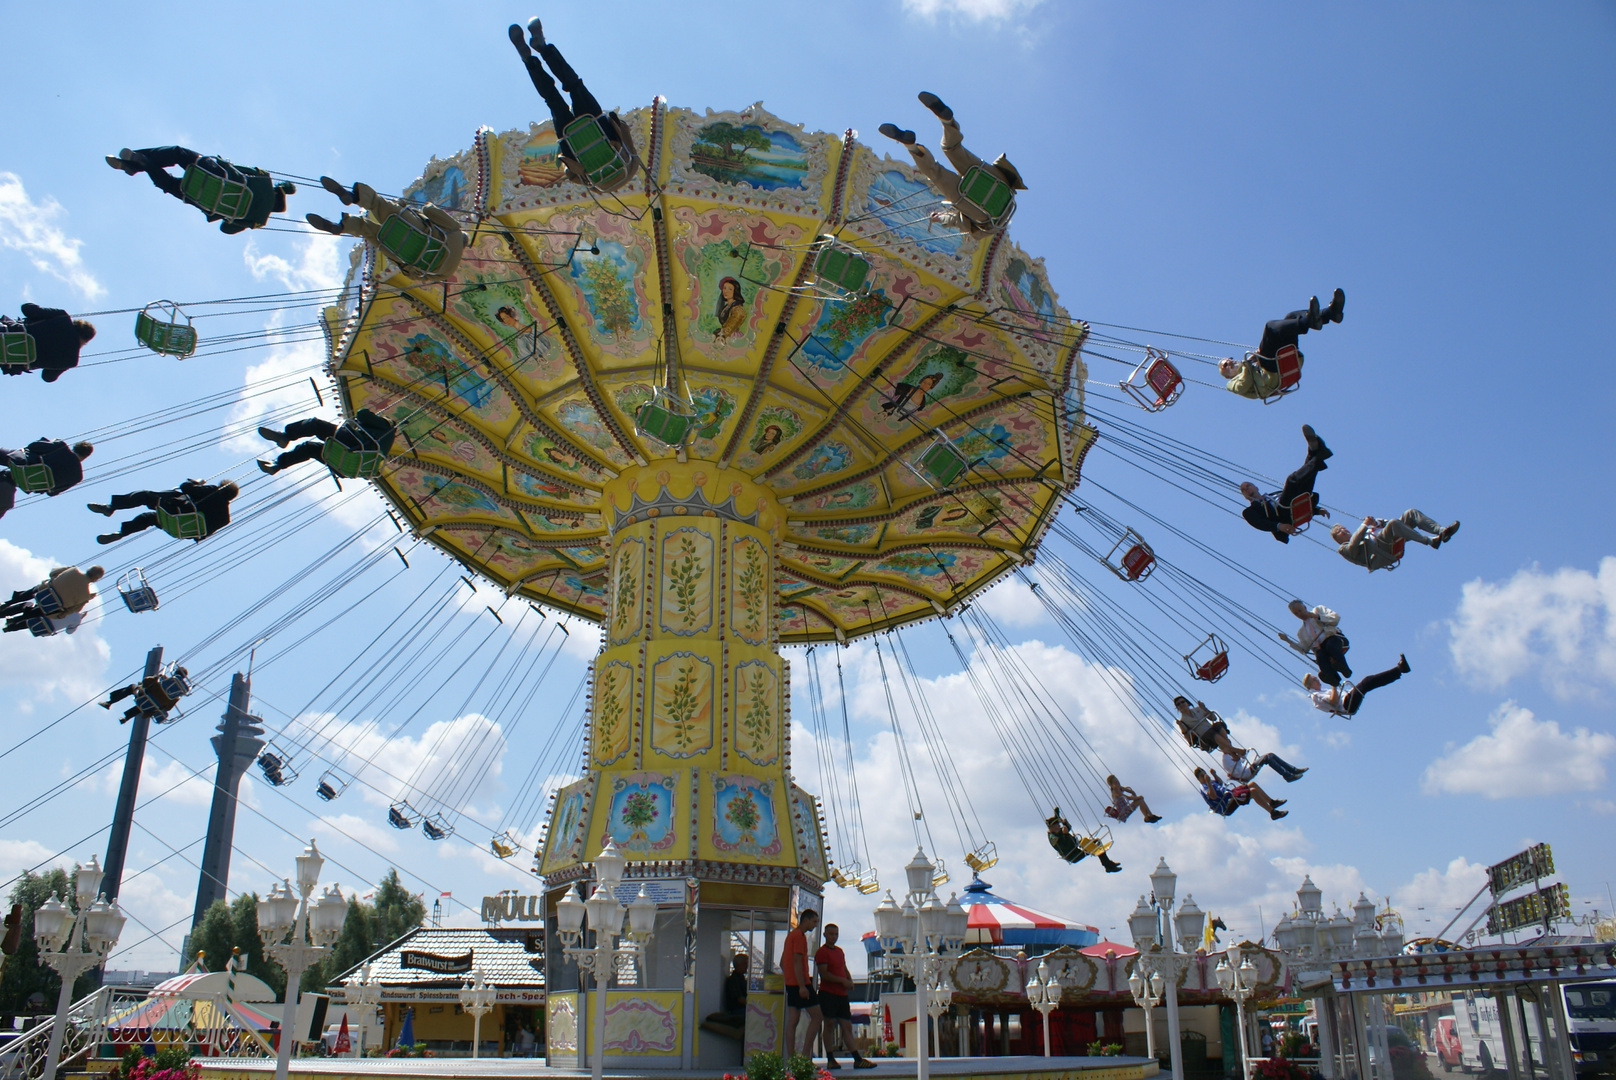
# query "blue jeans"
(1288, 772)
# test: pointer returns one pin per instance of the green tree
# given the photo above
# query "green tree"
(227, 927)
(393, 912)
(24, 974)
(731, 142)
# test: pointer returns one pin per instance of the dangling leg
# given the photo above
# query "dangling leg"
(129, 528)
(1288, 772)
(1278, 333)
(155, 162)
(303, 451)
(952, 143)
(560, 111)
(1382, 678)
(583, 102)
(1331, 656)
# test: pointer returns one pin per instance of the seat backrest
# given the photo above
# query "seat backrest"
(189, 525)
(1136, 560)
(662, 423)
(988, 194)
(48, 601)
(1302, 509)
(1289, 361)
(1215, 668)
(17, 347)
(1163, 378)
(169, 337)
(942, 463)
(34, 478)
(599, 157)
(841, 268)
(348, 462)
(217, 188)
(416, 245)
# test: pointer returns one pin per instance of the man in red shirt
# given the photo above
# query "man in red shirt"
(801, 997)
(835, 985)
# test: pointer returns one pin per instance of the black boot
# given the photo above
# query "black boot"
(1315, 317)
(1111, 866)
(272, 435)
(325, 225)
(1338, 303)
(519, 39)
(1315, 445)
(893, 131)
(345, 194)
(535, 32)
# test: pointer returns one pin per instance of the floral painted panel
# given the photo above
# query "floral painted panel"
(613, 711)
(749, 588)
(757, 712)
(640, 816)
(744, 818)
(686, 601)
(682, 705)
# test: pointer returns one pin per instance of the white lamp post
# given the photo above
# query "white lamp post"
(1147, 994)
(477, 998)
(1152, 925)
(313, 928)
(606, 920)
(927, 931)
(367, 994)
(1044, 994)
(73, 943)
(1239, 981)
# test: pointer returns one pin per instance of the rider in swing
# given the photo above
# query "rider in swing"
(1069, 846)
(583, 104)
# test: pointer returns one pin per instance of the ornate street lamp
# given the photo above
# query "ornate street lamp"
(313, 929)
(477, 998)
(72, 943)
(1147, 994)
(1239, 981)
(917, 938)
(1044, 994)
(606, 920)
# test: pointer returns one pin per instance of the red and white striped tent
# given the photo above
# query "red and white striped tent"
(996, 921)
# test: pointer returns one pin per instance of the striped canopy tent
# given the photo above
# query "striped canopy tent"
(996, 921)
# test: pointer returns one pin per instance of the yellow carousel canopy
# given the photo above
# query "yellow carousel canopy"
(515, 385)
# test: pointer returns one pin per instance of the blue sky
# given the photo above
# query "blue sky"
(1191, 169)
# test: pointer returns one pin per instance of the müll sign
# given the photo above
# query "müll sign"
(510, 907)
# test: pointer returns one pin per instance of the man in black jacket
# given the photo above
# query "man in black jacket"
(366, 431)
(62, 460)
(1272, 513)
(58, 337)
(267, 196)
(212, 501)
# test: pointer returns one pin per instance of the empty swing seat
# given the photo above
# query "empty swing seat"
(1163, 383)
(17, 350)
(665, 419)
(1137, 561)
(325, 791)
(217, 188)
(136, 593)
(982, 858)
(841, 268)
(1209, 661)
(397, 818)
(33, 478)
(940, 464)
(415, 244)
(167, 336)
(988, 194)
(436, 828)
(597, 155)
(501, 847)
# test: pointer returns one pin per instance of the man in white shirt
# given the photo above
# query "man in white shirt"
(1244, 768)
(1320, 635)
(1344, 700)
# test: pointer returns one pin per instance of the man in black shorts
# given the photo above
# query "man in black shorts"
(801, 997)
(835, 986)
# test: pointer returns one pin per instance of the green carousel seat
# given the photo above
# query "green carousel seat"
(988, 195)
(349, 463)
(217, 188)
(597, 155)
(33, 478)
(186, 525)
(415, 244)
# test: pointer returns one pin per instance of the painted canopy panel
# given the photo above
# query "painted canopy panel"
(515, 384)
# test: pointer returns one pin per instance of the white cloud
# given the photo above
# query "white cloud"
(970, 10)
(31, 228)
(1012, 603)
(69, 666)
(1521, 756)
(1561, 625)
(1433, 896)
(172, 781)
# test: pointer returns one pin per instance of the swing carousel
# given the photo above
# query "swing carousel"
(756, 398)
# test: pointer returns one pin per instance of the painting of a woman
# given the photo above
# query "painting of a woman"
(731, 308)
(767, 439)
(908, 399)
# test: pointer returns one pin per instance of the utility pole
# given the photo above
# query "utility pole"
(237, 746)
(124, 815)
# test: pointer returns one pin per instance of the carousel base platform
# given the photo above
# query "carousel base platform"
(993, 1068)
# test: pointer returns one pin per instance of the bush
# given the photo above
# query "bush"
(1293, 1044)
(764, 1065)
(1100, 1048)
(1278, 1068)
